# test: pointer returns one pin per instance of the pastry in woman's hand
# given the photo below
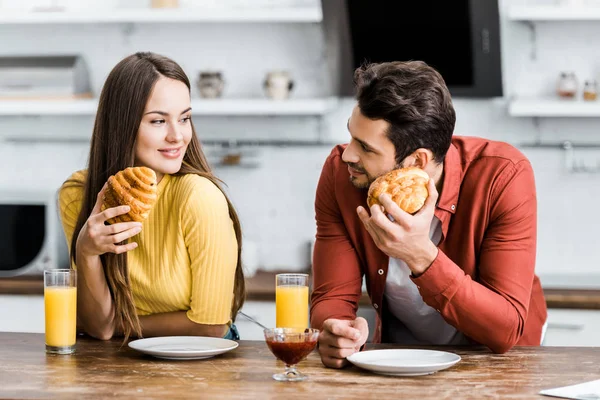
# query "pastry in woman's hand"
(135, 187)
(407, 187)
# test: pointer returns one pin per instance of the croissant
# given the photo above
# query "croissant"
(406, 186)
(135, 187)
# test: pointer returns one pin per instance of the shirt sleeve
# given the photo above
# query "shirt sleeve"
(212, 247)
(336, 271)
(70, 197)
(493, 310)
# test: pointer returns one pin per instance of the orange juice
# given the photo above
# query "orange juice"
(291, 304)
(61, 315)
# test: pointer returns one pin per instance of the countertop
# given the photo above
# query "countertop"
(261, 287)
(105, 369)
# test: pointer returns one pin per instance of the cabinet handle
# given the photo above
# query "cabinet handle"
(485, 41)
(568, 327)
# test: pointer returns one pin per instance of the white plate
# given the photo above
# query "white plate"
(404, 362)
(183, 347)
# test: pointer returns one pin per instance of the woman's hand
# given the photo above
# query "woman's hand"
(96, 238)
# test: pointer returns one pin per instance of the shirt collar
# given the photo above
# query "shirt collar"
(452, 176)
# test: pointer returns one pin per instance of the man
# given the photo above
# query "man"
(461, 269)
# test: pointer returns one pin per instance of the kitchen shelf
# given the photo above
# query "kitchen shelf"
(554, 13)
(212, 107)
(180, 15)
(552, 107)
(249, 107)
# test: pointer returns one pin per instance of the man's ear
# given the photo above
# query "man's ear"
(420, 158)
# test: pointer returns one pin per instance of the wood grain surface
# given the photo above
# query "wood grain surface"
(100, 370)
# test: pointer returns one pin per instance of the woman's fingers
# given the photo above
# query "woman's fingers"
(119, 237)
(111, 213)
(119, 249)
(119, 227)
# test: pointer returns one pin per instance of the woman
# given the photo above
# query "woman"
(179, 272)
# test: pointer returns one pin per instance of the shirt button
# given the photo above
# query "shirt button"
(453, 207)
(375, 306)
(380, 272)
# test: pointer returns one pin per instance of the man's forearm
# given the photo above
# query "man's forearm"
(479, 312)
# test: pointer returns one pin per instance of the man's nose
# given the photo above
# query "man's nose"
(349, 155)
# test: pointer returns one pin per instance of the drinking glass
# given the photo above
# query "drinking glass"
(291, 345)
(60, 303)
(291, 301)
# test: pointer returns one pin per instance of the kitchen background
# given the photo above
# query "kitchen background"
(273, 185)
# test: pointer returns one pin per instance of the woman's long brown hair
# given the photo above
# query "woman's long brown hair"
(120, 110)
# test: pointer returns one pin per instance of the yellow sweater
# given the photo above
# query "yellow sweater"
(187, 249)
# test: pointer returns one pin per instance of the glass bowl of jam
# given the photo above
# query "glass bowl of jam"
(291, 345)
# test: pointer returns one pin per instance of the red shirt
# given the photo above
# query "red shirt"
(482, 281)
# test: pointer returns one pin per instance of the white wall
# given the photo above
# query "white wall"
(275, 200)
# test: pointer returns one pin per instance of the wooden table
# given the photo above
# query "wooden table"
(105, 370)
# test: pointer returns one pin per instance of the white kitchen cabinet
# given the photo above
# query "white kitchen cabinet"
(264, 312)
(568, 327)
(22, 313)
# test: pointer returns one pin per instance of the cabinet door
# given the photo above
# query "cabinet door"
(572, 328)
(368, 313)
(21, 313)
(263, 312)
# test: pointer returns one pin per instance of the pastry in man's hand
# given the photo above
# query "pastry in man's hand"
(134, 187)
(407, 187)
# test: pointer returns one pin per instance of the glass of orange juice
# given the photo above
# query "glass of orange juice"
(60, 302)
(291, 301)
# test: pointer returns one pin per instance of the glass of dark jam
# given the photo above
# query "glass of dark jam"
(291, 345)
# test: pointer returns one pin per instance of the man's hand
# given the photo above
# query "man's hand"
(407, 237)
(341, 338)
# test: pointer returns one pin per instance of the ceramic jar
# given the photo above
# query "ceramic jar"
(278, 85)
(567, 85)
(210, 84)
(590, 90)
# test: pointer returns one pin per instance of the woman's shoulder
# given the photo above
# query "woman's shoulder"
(77, 177)
(197, 189)
(72, 187)
(70, 196)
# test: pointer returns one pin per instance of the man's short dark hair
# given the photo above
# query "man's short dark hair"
(413, 97)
